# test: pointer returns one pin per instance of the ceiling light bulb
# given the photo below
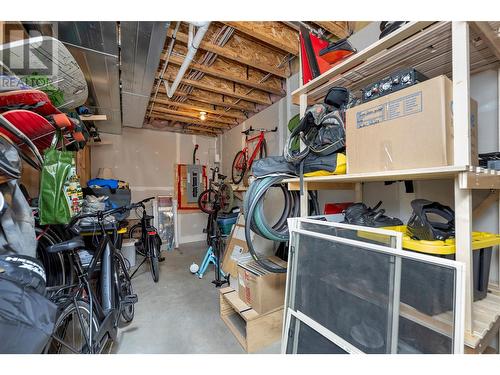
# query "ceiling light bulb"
(203, 116)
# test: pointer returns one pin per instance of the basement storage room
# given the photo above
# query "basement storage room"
(269, 187)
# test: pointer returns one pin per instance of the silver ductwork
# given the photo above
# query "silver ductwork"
(94, 45)
(141, 47)
(119, 61)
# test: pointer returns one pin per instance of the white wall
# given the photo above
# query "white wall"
(146, 159)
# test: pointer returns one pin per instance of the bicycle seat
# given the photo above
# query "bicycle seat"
(73, 244)
(221, 177)
(148, 217)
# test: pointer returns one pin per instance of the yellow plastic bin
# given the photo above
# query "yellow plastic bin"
(428, 298)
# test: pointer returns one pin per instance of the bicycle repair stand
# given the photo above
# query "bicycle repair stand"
(213, 255)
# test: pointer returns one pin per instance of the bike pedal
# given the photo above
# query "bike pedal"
(129, 300)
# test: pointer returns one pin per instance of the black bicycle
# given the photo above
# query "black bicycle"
(148, 241)
(90, 309)
(218, 192)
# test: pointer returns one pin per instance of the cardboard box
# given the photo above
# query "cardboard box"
(261, 289)
(411, 128)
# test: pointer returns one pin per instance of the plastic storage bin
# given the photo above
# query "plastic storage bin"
(427, 299)
(226, 222)
(128, 251)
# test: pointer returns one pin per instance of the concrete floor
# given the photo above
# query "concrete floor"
(180, 313)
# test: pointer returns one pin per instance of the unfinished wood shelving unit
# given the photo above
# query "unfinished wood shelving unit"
(456, 49)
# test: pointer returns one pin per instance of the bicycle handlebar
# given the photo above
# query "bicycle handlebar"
(250, 129)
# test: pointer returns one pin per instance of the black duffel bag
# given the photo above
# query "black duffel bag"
(27, 317)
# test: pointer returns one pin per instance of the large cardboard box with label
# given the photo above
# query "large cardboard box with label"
(259, 288)
(411, 128)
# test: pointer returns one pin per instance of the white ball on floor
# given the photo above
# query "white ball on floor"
(194, 268)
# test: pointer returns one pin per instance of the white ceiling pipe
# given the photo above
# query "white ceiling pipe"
(165, 65)
(192, 48)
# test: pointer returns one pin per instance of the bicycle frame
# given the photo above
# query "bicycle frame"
(257, 138)
(107, 310)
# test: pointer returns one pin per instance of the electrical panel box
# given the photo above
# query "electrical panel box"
(194, 183)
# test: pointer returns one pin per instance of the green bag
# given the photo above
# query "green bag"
(52, 203)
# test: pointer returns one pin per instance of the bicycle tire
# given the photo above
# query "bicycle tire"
(66, 317)
(135, 233)
(125, 289)
(237, 175)
(55, 264)
(227, 197)
(209, 230)
(206, 201)
(154, 255)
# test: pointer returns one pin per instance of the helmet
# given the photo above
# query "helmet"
(420, 226)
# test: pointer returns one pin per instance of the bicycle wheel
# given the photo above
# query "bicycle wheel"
(154, 255)
(206, 201)
(239, 167)
(227, 197)
(125, 289)
(58, 267)
(70, 332)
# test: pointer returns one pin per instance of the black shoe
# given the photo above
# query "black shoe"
(161, 259)
(360, 214)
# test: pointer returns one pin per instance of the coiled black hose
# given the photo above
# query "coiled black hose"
(253, 209)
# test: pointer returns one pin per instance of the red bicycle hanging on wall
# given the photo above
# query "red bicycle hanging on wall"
(242, 162)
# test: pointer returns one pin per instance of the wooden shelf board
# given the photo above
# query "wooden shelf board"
(239, 188)
(102, 143)
(406, 174)
(480, 178)
(421, 45)
(358, 58)
(94, 118)
(470, 178)
(486, 320)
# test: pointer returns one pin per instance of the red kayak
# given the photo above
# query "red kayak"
(35, 127)
(32, 100)
(37, 102)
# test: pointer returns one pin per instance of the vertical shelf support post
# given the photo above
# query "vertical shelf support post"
(304, 198)
(461, 148)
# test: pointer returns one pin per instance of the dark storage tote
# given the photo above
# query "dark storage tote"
(117, 198)
(424, 290)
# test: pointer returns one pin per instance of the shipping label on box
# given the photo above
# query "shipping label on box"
(400, 107)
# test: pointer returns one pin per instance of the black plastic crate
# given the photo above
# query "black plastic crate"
(427, 291)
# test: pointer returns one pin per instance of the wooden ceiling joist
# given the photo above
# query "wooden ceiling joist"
(337, 28)
(244, 51)
(166, 125)
(196, 115)
(187, 120)
(233, 72)
(273, 33)
(219, 86)
(212, 98)
(201, 108)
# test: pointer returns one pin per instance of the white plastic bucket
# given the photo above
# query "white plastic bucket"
(128, 251)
